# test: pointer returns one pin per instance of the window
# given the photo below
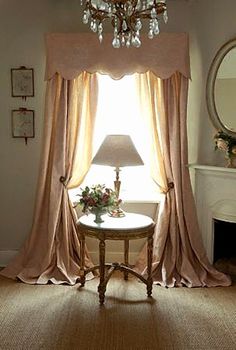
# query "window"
(118, 112)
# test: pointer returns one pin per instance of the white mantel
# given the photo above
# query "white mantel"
(215, 195)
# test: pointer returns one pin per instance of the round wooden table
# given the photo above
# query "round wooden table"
(131, 226)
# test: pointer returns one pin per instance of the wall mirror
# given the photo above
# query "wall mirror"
(221, 89)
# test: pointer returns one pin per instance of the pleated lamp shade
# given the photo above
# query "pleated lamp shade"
(117, 151)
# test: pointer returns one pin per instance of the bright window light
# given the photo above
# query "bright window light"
(118, 112)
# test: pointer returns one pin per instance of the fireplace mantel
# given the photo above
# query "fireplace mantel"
(215, 196)
(212, 168)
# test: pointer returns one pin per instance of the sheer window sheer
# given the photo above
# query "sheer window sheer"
(119, 112)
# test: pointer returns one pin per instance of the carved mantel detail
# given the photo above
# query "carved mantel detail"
(215, 196)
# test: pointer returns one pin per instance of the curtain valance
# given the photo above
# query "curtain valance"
(69, 54)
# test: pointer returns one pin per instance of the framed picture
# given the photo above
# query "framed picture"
(22, 82)
(23, 123)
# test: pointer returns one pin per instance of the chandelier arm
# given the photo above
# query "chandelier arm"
(98, 14)
(120, 14)
(160, 7)
(131, 22)
(132, 19)
(146, 13)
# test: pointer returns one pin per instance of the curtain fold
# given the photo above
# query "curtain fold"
(179, 255)
(51, 253)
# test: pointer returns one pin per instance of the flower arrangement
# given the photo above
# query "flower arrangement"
(97, 197)
(225, 143)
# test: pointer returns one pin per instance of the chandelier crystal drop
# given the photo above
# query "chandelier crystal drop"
(126, 17)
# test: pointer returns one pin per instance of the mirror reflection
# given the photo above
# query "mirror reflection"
(225, 91)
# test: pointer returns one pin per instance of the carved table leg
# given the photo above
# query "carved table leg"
(126, 257)
(149, 265)
(102, 284)
(82, 257)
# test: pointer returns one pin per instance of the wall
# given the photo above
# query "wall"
(22, 26)
(215, 26)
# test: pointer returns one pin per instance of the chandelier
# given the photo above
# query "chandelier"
(126, 17)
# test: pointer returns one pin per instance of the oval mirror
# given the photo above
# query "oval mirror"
(221, 89)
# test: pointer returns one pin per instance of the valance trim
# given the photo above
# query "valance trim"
(69, 54)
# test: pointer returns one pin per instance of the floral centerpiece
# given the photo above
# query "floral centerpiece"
(227, 144)
(97, 200)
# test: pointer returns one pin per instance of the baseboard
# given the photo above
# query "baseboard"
(6, 256)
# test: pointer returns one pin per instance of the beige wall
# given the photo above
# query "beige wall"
(22, 27)
(216, 25)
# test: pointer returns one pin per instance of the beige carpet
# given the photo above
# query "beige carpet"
(63, 317)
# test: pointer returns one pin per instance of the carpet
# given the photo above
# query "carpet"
(52, 317)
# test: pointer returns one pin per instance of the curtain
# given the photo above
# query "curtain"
(51, 251)
(179, 256)
(73, 53)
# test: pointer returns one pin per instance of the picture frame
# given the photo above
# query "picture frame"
(22, 82)
(23, 123)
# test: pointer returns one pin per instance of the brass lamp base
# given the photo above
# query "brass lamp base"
(117, 213)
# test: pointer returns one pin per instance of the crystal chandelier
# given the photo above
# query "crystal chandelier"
(126, 18)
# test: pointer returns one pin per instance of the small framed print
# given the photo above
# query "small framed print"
(23, 123)
(22, 82)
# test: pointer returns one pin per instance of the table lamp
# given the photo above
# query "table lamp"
(117, 151)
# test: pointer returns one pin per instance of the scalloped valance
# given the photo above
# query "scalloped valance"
(71, 53)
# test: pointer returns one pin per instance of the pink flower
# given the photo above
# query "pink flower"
(222, 144)
(105, 198)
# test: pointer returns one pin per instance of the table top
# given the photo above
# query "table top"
(130, 221)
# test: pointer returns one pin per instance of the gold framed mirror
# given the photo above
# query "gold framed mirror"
(221, 89)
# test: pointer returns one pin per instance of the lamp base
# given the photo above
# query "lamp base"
(117, 213)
